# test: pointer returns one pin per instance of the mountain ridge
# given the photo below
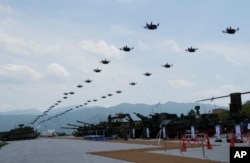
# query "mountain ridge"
(96, 114)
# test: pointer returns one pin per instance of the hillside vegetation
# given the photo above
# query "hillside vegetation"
(245, 110)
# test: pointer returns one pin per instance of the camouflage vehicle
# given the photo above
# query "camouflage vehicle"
(20, 133)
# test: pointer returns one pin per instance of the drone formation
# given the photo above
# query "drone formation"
(230, 30)
(97, 70)
(167, 65)
(191, 49)
(126, 48)
(147, 74)
(149, 26)
(105, 61)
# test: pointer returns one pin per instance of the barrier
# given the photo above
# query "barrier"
(198, 139)
(183, 146)
(238, 138)
(246, 139)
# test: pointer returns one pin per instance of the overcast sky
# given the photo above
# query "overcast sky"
(49, 47)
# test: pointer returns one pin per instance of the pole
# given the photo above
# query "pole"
(166, 145)
(180, 143)
(203, 150)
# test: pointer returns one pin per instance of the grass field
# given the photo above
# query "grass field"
(2, 144)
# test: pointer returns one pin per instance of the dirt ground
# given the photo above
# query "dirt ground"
(142, 156)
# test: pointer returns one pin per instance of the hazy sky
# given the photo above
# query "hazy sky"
(48, 47)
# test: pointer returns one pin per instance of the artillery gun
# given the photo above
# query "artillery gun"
(154, 122)
(117, 126)
(203, 123)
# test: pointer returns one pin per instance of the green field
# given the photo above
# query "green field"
(2, 144)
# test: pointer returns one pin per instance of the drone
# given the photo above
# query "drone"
(85, 103)
(151, 26)
(66, 93)
(95, 100)
(59, 101)
(132, 83)
(97, 70)
(65, 97)
(71, 93)
(103, 96)
(126, 48)
(230, 30)
(89, 101)
(118, 91)
(109, 94)
(191, 49)
(167, 65)
(105, 61)
(79, 86)
(88, 81)
(147, 74)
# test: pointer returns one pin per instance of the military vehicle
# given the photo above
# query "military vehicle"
(20, 133)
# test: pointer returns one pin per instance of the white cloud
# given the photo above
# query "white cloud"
(235, 53)
(57, 70)
(24, 46)
(19, 72)
(214, 92)
(171, 45)
(5, 107)
(121, 30)
(101, 47)
(179, 83)
(142, 45)
(5, 8)
(218, 76)
(8, 21)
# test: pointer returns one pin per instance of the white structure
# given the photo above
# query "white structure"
(48, 133)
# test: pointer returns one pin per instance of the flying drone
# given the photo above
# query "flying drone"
(71, 93)
(230, 30)
(105, 61)
(151, 26)
(95, 100)
(89, 101)
(79, 86)
(147, 74)
(85, 103)
(167, 65)
(88, 81)
(126, 48)
(66, 93)
(132, 83)
(103, 96)
(191, 49)
(118, 91)
(97, 70)
(109, 94)
(65, 97)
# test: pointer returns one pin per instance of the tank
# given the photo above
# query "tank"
(22, 132)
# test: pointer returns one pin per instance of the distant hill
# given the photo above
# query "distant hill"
(93, 114)
(22, 112)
